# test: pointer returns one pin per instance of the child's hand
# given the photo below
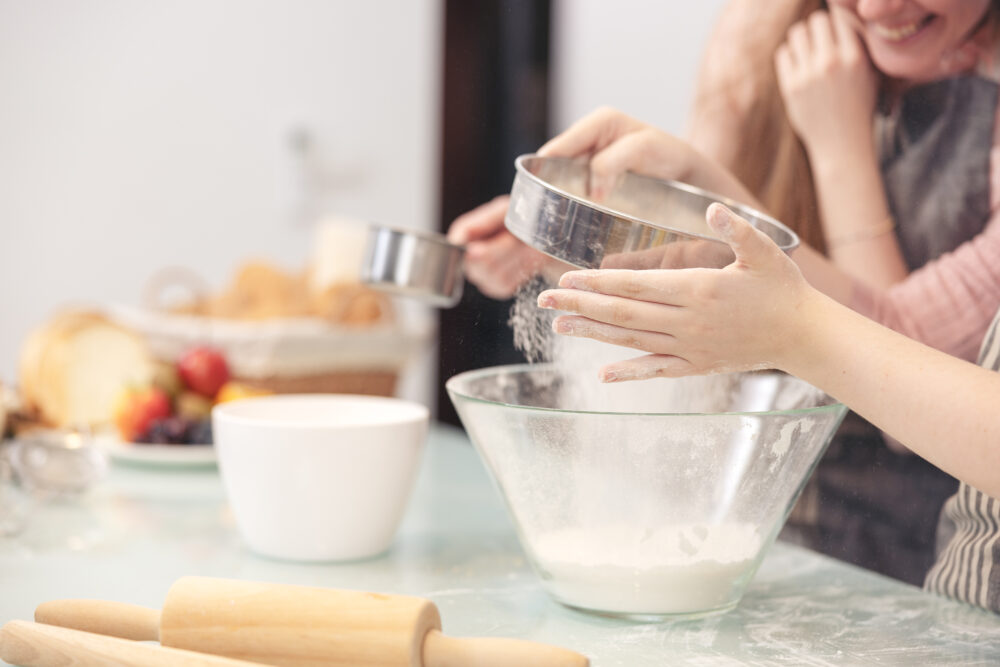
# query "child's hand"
(741, 317)
(827, 82)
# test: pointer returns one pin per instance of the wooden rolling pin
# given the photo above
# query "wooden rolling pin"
(299, 626)
(36, 645)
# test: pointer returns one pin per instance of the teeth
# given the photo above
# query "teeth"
(897, 33)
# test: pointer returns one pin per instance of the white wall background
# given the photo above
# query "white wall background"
(640, 56)
(138, 135)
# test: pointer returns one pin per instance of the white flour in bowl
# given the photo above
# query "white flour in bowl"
(678, 569)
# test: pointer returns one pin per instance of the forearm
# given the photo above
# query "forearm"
(703, 172)
(857, 223)
(726, 85)
(942, 408)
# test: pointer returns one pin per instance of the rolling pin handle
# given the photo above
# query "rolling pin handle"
(103, 617)
(38, 645)
(442, 651)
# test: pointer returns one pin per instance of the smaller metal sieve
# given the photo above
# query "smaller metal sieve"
(418, 264)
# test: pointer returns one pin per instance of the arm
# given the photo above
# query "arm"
(726, 85)
(735, 73)
(759, 312)
(940, 407)
(828, 86)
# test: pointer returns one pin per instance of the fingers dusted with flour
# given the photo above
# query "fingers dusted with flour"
(691, 320)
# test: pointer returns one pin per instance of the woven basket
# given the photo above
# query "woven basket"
(375, 383)
(295, 355)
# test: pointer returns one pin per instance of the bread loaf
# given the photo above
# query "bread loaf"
(74, 366)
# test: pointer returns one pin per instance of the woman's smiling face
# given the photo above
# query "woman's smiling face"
(909, 39)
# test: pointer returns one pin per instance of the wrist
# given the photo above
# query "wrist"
(801, 347)
(876, 231)
(841, 160)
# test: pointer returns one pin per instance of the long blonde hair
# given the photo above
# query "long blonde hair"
(772, 161)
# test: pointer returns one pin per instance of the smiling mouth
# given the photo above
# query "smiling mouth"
(898, 33)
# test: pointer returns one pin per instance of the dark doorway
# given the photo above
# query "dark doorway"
(496, 64)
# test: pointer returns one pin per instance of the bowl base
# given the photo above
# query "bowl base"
(283, 556)
(646, 617)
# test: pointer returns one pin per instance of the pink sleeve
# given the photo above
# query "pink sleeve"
(947, 303)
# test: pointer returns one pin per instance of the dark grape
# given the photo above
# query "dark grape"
(200, 432)
(167, 431)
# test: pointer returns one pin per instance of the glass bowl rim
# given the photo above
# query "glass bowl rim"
(452, 383)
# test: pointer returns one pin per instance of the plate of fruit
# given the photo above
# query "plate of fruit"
(169, 421)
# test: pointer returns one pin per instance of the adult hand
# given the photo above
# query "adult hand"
(616, 143)
(828, 84)
(692, 321)
(677, 254)
(496, 261)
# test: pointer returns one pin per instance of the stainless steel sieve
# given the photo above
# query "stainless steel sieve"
(551, 211)
(414, 263)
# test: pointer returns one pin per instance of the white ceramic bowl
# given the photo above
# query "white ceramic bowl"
(319, 477)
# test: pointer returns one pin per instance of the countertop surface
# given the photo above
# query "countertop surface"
(143, 527)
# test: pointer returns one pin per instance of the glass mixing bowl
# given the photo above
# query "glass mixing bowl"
(646, 499)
